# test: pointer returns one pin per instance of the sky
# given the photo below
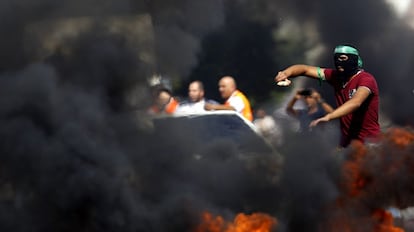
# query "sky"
(400, 6)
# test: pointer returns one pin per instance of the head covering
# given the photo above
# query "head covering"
(346, 49)
(350, 66)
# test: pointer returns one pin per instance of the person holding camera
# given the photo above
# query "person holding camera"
(356, 94)
(316, 108)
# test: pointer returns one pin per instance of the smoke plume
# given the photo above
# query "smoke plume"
(78, 154)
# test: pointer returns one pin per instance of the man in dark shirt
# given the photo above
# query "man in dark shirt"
(356, 94)
(315, 107)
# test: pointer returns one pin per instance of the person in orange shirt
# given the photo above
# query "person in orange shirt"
(164, 102)
(235, 99)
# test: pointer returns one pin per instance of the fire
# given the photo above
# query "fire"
(345, 220)
(256, 222)
(354, 177)
(386, 221)
(373, 178)
(400, 137)
(370, 178)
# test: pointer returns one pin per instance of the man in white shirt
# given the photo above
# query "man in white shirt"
(196, 101)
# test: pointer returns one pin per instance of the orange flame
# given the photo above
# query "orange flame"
(342, 220)
(256, 222)
(360, 179)
(354, 177)
(400, 137)
(386, 221)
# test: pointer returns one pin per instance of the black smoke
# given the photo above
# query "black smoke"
(75, 157)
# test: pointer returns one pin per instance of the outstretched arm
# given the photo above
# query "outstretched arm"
(350, 106)
(300, 70)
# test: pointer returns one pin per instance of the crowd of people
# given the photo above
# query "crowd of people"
(165, 103)
(234, 100)
(355, 90)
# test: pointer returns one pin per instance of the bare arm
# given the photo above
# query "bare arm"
(209, 106)
(299, 70)
(289, 108)
(350, 106)
(325, 106)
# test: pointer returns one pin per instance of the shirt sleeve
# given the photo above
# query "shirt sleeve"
(369, 82)
(237, 103)
(328, 74)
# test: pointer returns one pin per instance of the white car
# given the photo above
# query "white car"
(201, 131)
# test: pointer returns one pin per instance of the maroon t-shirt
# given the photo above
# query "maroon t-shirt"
(362, 124)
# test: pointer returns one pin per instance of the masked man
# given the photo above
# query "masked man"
(356, 94)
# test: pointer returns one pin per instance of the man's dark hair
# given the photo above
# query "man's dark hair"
(306, 92)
